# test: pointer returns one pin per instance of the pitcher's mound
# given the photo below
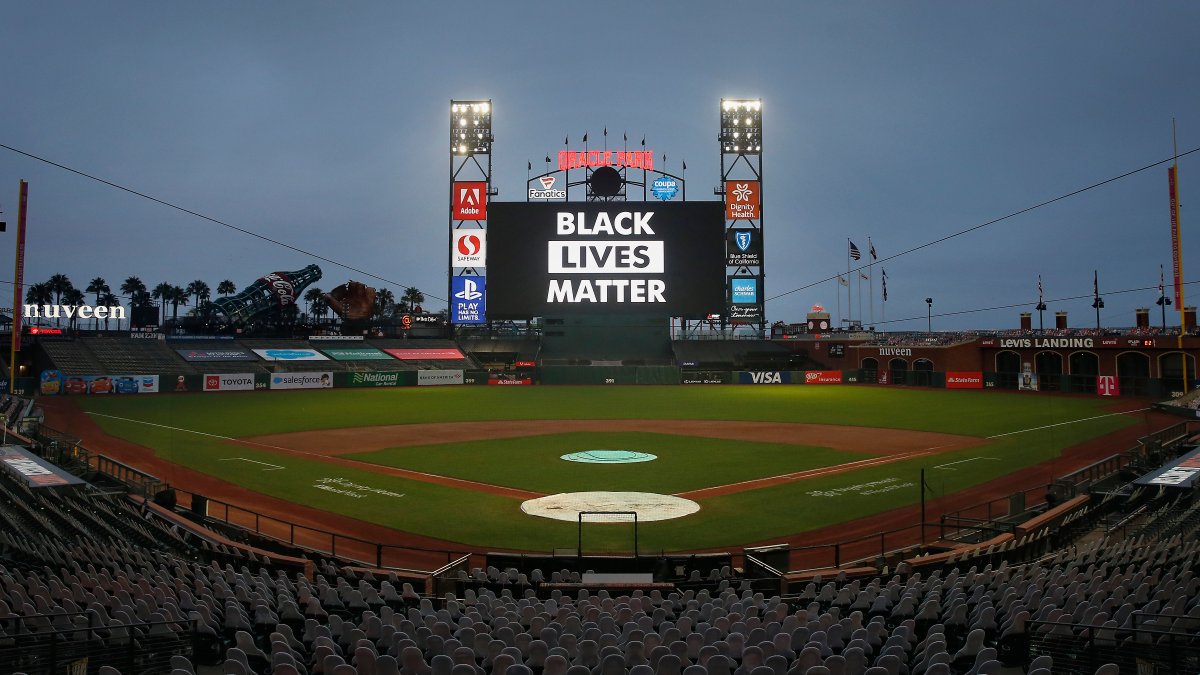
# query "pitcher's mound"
(648, 505)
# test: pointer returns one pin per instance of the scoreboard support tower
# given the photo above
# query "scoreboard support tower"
(740, 143)
(470, 180)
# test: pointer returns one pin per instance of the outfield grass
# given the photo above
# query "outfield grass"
(490, 521)
(684, 462)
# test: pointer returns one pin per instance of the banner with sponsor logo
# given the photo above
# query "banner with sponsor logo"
(765, 377)
(508, 379)
(742, 200)
(427, 378)
(743, 247)
(375, 379)
(229, 382)
(660, 259)
(35, 471)
(203, 355)
(964, 380)
(547, 191)
(301, 380)
(291, 355)
(1108, 385)
(53, 382)
(469, 300)
(1183, 472)
(705, 377)
(446, 354)
(822, 377)
(1176, 255)
(469, 200)
(335, 338)
(469, 248)
(355, 354)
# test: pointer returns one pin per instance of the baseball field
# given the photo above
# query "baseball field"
(457, 464)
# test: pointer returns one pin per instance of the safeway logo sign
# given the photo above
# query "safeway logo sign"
(1108, 385)
(469, 248)
(470, 201)
(741, 199)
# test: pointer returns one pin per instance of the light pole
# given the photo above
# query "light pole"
(928, 315)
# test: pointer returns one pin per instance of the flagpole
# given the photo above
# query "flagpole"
(871, 280)
(1179, 272)
(849, 298)
(838, 285)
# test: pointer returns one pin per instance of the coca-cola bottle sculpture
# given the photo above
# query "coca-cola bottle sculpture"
(272, 292)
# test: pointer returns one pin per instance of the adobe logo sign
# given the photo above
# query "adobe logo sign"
(469, 201)
(469, 248)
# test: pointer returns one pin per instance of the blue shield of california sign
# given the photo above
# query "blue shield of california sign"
(742, 238)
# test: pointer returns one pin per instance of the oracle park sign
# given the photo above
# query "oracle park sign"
(633, 258)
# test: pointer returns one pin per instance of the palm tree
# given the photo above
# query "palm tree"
(179, 296)
(107, 299)
(310, 296)
(38, 294)
(98, 286)
(199, 289)
(413, 297)
(320, 306)
(226, 288)
(74, 296)
(385, 301)
(59, 285)
(163, 293)
(135, 289)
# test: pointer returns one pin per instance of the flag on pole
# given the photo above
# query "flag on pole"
(1162, 286)
(1095, 283)
(854, 252)
(842, 280)
(871, 248)
(864, 277)
(884, 279)
(625, 136)
(585, 137)
(643, 140)
(1039, 289)
(528, 165)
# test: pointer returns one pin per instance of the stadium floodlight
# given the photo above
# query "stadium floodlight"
(471, 127)
(741, 126)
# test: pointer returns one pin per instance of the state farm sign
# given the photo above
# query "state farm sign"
(959, 380)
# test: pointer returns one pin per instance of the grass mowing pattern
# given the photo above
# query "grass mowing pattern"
(684, 462)
(489, 521)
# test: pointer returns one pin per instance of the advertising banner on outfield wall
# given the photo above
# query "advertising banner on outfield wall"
(961, 380)
(229, 382)
(302, 380)
(765, 377)
(52, 382)
(375, 379)
(426, 354)
(427, 378)
(356, 354)
(508, 379)
(705, 377)
(291, 354)
(822, 377)
(201, 355)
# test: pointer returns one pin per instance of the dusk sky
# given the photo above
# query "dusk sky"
(325, 125)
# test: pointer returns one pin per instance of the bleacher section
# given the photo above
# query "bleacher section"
(502, 352)
(742, 355)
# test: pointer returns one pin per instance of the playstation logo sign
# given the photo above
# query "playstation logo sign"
(547, 191)
(470, 291)
(467, 302)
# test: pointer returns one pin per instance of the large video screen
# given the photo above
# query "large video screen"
(627, 257)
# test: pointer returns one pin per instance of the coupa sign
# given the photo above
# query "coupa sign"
(73, 311)
(765, 377)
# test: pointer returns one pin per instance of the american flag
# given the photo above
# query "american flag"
(854, 252)
(871, 248)
(842, 281)
(863, 276)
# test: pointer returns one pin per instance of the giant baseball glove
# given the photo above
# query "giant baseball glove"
(352, 300)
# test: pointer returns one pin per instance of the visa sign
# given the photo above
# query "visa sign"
(468, 300)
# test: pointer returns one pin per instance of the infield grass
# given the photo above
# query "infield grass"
(485, 520)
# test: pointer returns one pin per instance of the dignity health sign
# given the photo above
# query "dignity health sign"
(641, 258)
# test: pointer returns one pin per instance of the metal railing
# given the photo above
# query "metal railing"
(1078, 649)
(35, 646)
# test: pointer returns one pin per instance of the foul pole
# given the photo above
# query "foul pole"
(1177, 252)
(18, 279)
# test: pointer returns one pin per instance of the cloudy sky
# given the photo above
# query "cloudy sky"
(324, 125)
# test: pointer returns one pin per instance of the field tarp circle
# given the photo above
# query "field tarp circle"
(648, 505)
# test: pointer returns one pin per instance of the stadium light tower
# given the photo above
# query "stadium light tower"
(470, 182)
(742, 190)
(928, 315)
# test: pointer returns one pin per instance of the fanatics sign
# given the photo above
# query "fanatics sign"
(548, 259)
(469, 200)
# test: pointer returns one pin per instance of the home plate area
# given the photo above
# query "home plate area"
(648, 506)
